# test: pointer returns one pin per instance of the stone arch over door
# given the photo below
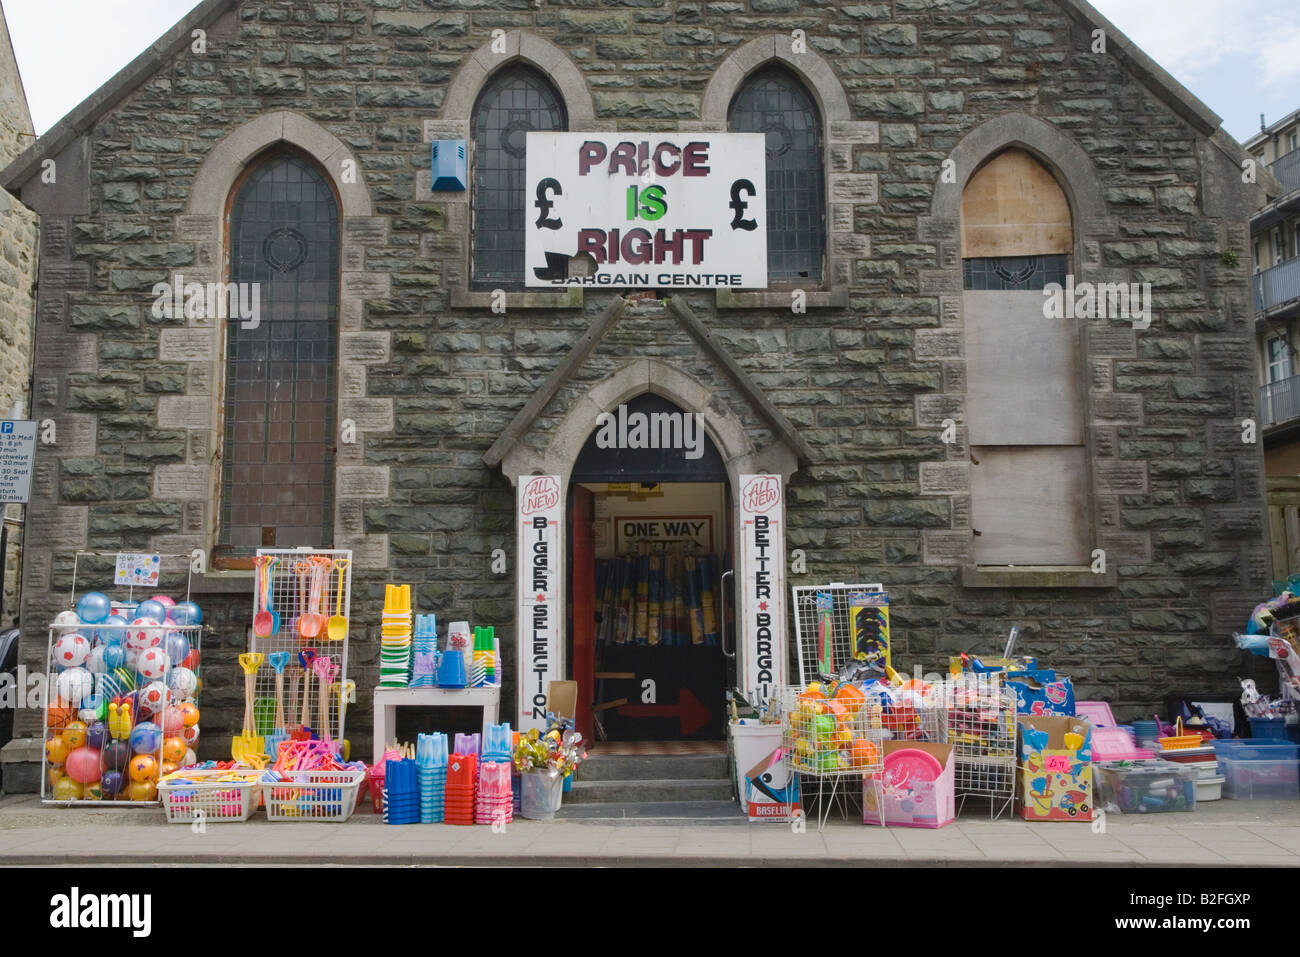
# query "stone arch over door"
(639, 376)
(200, 344)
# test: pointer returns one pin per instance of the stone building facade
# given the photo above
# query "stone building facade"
(857, 399)
(17, 299)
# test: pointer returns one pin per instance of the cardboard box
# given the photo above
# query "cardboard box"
(562, 698)
(773, 789)
(1054, 781)
(912, 793)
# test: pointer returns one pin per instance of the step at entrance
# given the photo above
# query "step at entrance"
(650, 779)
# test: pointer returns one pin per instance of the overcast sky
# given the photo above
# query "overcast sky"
(1241, 57)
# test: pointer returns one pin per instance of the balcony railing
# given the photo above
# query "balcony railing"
(1278, 285)
(1280, 401)
(1287, 170)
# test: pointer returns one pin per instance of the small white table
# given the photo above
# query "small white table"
(388, 700)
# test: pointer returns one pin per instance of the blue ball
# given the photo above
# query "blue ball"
(146, 738)
(151, 609)
(186, 613)
(112, 636)
(177, 647)
(114, 657)
(93, 607)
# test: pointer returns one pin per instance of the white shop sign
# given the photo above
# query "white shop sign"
(17, 459)
(540, 513)
(653, 210)
(762, 585)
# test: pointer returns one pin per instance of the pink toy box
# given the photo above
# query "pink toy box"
(917, 786)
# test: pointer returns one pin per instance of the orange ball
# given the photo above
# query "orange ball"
(168, 767)
(143, 767)
(864, 753)
(57, 717)
(56, 750)
(75, 734)
(56, 773)
(142, 791)
(189, 713)
(174, 749)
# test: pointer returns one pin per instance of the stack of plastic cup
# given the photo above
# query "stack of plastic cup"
(424, 665)
(431, 770)
(395, 650)
(401, 793)
(495, 803)
(451, 670)
(468, 744)
(462, 782)
(496, 746)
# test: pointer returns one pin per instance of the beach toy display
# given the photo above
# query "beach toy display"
(299, 616)
(123, 691)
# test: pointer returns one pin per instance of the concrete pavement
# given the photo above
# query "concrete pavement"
(1220, 834)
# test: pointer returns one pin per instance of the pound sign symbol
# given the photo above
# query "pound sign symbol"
(739, 205)
(544, 204)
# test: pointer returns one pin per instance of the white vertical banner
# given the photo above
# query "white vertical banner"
(539, 635)
(761, 586)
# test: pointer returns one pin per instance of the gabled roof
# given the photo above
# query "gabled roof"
(1156, 78)
(537, 403)
(17, 115)
(123, 84)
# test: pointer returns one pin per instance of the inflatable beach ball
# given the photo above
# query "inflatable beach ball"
(183, 683)
(153, 663)
(71, 651)
(65, 622)
(93, 607)
(144, 633)
(74, 685)
(154, 696)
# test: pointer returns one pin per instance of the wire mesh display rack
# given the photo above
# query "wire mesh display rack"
(979, 721)
(174, 579)
(302, 589)
(806, 621)
(834, 746)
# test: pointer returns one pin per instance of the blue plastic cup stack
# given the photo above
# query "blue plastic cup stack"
(431, 770)
(401, 793)
(424, 665)
(496, 746)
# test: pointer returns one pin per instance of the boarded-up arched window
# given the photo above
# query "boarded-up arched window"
(278, 463)
(1024, 369)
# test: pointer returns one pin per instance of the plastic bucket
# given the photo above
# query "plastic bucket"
(752, 743)
(540, 795)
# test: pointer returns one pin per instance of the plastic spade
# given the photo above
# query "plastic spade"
(275, 615)
(310, 624)
(278, 660)
(262, 619)
(247, 748)
(305, 658)
(337, 629)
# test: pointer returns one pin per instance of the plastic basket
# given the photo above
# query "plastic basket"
(314, 796)
(1181, 741)
(209, 801)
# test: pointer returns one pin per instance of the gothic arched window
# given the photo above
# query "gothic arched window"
(278, 464)
(774, 102)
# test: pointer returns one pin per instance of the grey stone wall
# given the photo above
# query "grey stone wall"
(17, 300)
(867, 382)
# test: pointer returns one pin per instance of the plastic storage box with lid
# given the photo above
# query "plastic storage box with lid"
(1147, 787)
(1259, 769)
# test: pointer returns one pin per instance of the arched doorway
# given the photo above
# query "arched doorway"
(650, 538)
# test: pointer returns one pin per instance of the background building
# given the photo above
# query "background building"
(17, 304)
(929, 424)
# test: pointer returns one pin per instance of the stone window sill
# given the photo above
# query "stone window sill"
(780, 299)
(571, 298)
(237, 581)
(1035, 576)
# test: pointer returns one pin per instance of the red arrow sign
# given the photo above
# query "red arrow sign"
(693, 714)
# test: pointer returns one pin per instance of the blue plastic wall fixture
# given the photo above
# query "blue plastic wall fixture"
(449, 166)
